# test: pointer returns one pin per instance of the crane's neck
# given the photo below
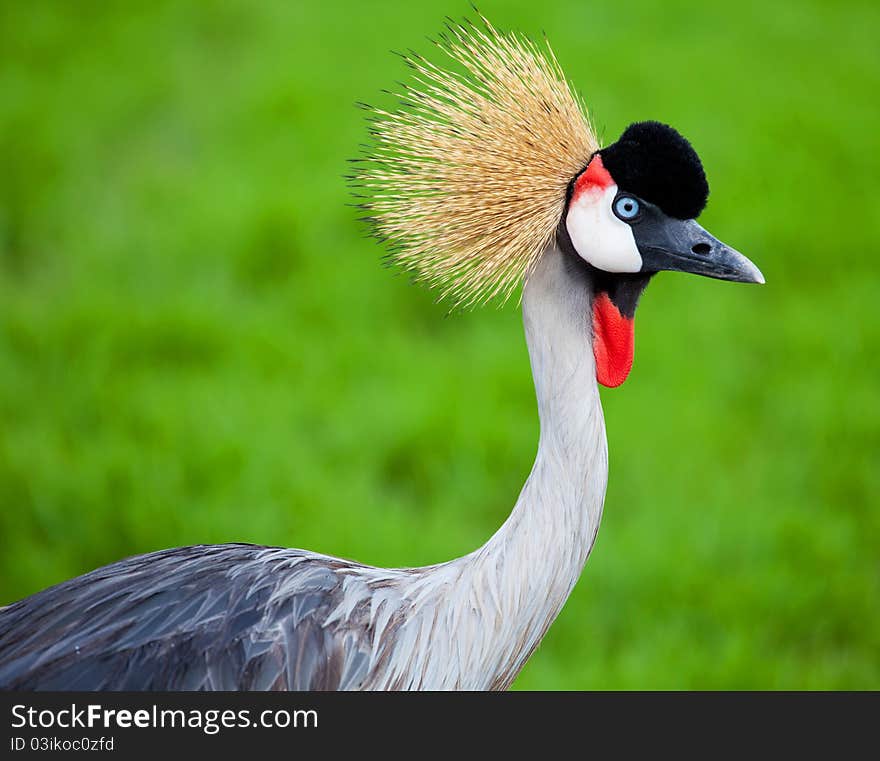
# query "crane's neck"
(491, 608)
(556, 518)
(472, 623)
(538, 554)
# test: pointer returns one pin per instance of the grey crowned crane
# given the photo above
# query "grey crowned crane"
(480, 181)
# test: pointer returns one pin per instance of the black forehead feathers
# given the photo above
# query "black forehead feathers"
(654, 162)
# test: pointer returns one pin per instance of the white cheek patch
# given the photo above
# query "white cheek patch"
(599, 237)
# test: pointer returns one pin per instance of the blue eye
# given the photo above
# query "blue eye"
(626, 207)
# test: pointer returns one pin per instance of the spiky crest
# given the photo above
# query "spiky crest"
(467, 178)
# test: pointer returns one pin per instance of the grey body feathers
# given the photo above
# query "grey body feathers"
(191, 618)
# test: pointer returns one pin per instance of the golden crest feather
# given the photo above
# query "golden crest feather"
(467, 179)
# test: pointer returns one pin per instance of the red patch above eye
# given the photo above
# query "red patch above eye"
(594, 176)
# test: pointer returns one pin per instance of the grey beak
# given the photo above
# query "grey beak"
(682, 245)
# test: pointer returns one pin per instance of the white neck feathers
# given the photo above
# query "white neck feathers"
(474, 621)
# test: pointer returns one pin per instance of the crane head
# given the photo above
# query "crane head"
(631, 213)
(486, 166)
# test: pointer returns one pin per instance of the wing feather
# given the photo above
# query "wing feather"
(218, 617)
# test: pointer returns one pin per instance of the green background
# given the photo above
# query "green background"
(198, 344)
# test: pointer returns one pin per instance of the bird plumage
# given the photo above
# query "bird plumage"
(466, 179)
(483, 179)
(192, 618)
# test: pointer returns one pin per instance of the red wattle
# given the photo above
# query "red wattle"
(613, 342)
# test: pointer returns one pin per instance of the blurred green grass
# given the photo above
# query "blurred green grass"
(197, 344)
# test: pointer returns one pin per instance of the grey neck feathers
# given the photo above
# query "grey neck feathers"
(534, 559)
